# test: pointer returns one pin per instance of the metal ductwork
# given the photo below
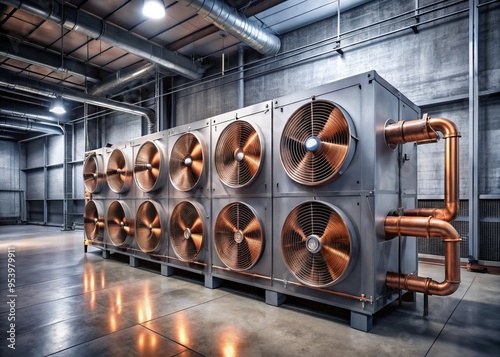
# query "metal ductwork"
(11, 109)
(119, 80)
(30, 125)
(23, 84)
(230, 20)
(96, 28)
(429, 222)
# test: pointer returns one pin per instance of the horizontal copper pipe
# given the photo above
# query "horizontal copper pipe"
(427, 227)
(424, 131)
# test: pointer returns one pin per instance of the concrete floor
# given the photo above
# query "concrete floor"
(74, 304)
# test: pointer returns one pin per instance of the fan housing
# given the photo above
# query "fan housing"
(318, 244)
(93, 176)
(317, 143)
(187, 230)
(238, 236)
(93, 221)
(119, 172)
(187, 162)
(149, 227)
(148, 167)
(119, 223)
(239, 154)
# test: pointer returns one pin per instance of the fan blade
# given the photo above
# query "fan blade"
(252, 228)
(155, 219)
(156, 160)
(197, 168)
(252, 163)
(197, 225)
(196, 152)
(335, 127)
(254, 247)
(197, 240)
(252, 143)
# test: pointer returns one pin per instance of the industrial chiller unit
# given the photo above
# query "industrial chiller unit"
(312, 194)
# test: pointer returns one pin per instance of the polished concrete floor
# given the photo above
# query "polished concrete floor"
(69, 303)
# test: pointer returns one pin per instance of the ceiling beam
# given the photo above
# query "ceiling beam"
(14, 49)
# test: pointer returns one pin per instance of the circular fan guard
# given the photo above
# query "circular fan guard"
(93, 221)
(149, 227)
(316, 143)
(187, 230)
(238, 154)
(93, 177)
(318, 244)
(186, 162)
(238, 236)
(118, 172)
(119, 223)
(148, 167)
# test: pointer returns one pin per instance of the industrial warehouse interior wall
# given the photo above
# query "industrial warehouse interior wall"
(430, 67)
(10, 189)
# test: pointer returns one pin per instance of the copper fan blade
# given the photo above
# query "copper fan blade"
(335, 127)
(226, 224)
(254, 247)
(196, 151)
(197, 168)
(253, 228)
(328, 261)
(197, 225)
(197, 240)
(252, 143)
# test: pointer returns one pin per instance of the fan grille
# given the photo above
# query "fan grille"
(316, 244)
(238, 236)
(148, 167)
(186, 162)
(316, 144)
(238, 154)
(119, 222)
(92, 175)
(148, 227)
(186, 230)
(118, 173)
(93, 221)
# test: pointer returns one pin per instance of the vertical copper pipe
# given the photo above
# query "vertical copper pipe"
(424, 131)
(427, 227)
(435, 223)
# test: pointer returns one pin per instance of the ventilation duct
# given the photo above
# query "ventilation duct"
(23, 84)
(230, 20)
(11, 109)
(29, 125)
(95, 28)
(121, 79)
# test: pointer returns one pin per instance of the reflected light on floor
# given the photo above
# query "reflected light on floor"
(182, 328)
(112, 323)
(229, 343)
(103, 279)
(147, 343)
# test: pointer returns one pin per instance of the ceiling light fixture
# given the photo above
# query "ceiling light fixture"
(57, 107)
(154, 9)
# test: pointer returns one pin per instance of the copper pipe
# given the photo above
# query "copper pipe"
(427, 227)
(424, 131)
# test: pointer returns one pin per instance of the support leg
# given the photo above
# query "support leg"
(134, 262)
(361, 321)
(105, 254)
(166, 270)
(426, 305)
(274, 298)
(212, 282)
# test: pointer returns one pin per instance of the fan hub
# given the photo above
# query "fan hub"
(122, 224)
(188, 161)
(150, 227)
(187, 233)
(312, 143)
(149, 166)
(313, 244)
(239, 155)
(118, 171)
(238, 236)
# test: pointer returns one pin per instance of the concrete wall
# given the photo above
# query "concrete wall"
(10, 207)
(427, 67)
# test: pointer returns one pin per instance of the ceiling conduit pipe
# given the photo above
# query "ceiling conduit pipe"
(11, 109)
(98, 29)
(119, 80)
(23, 84)
(30, 125)
(227, 18)
(436, 221)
